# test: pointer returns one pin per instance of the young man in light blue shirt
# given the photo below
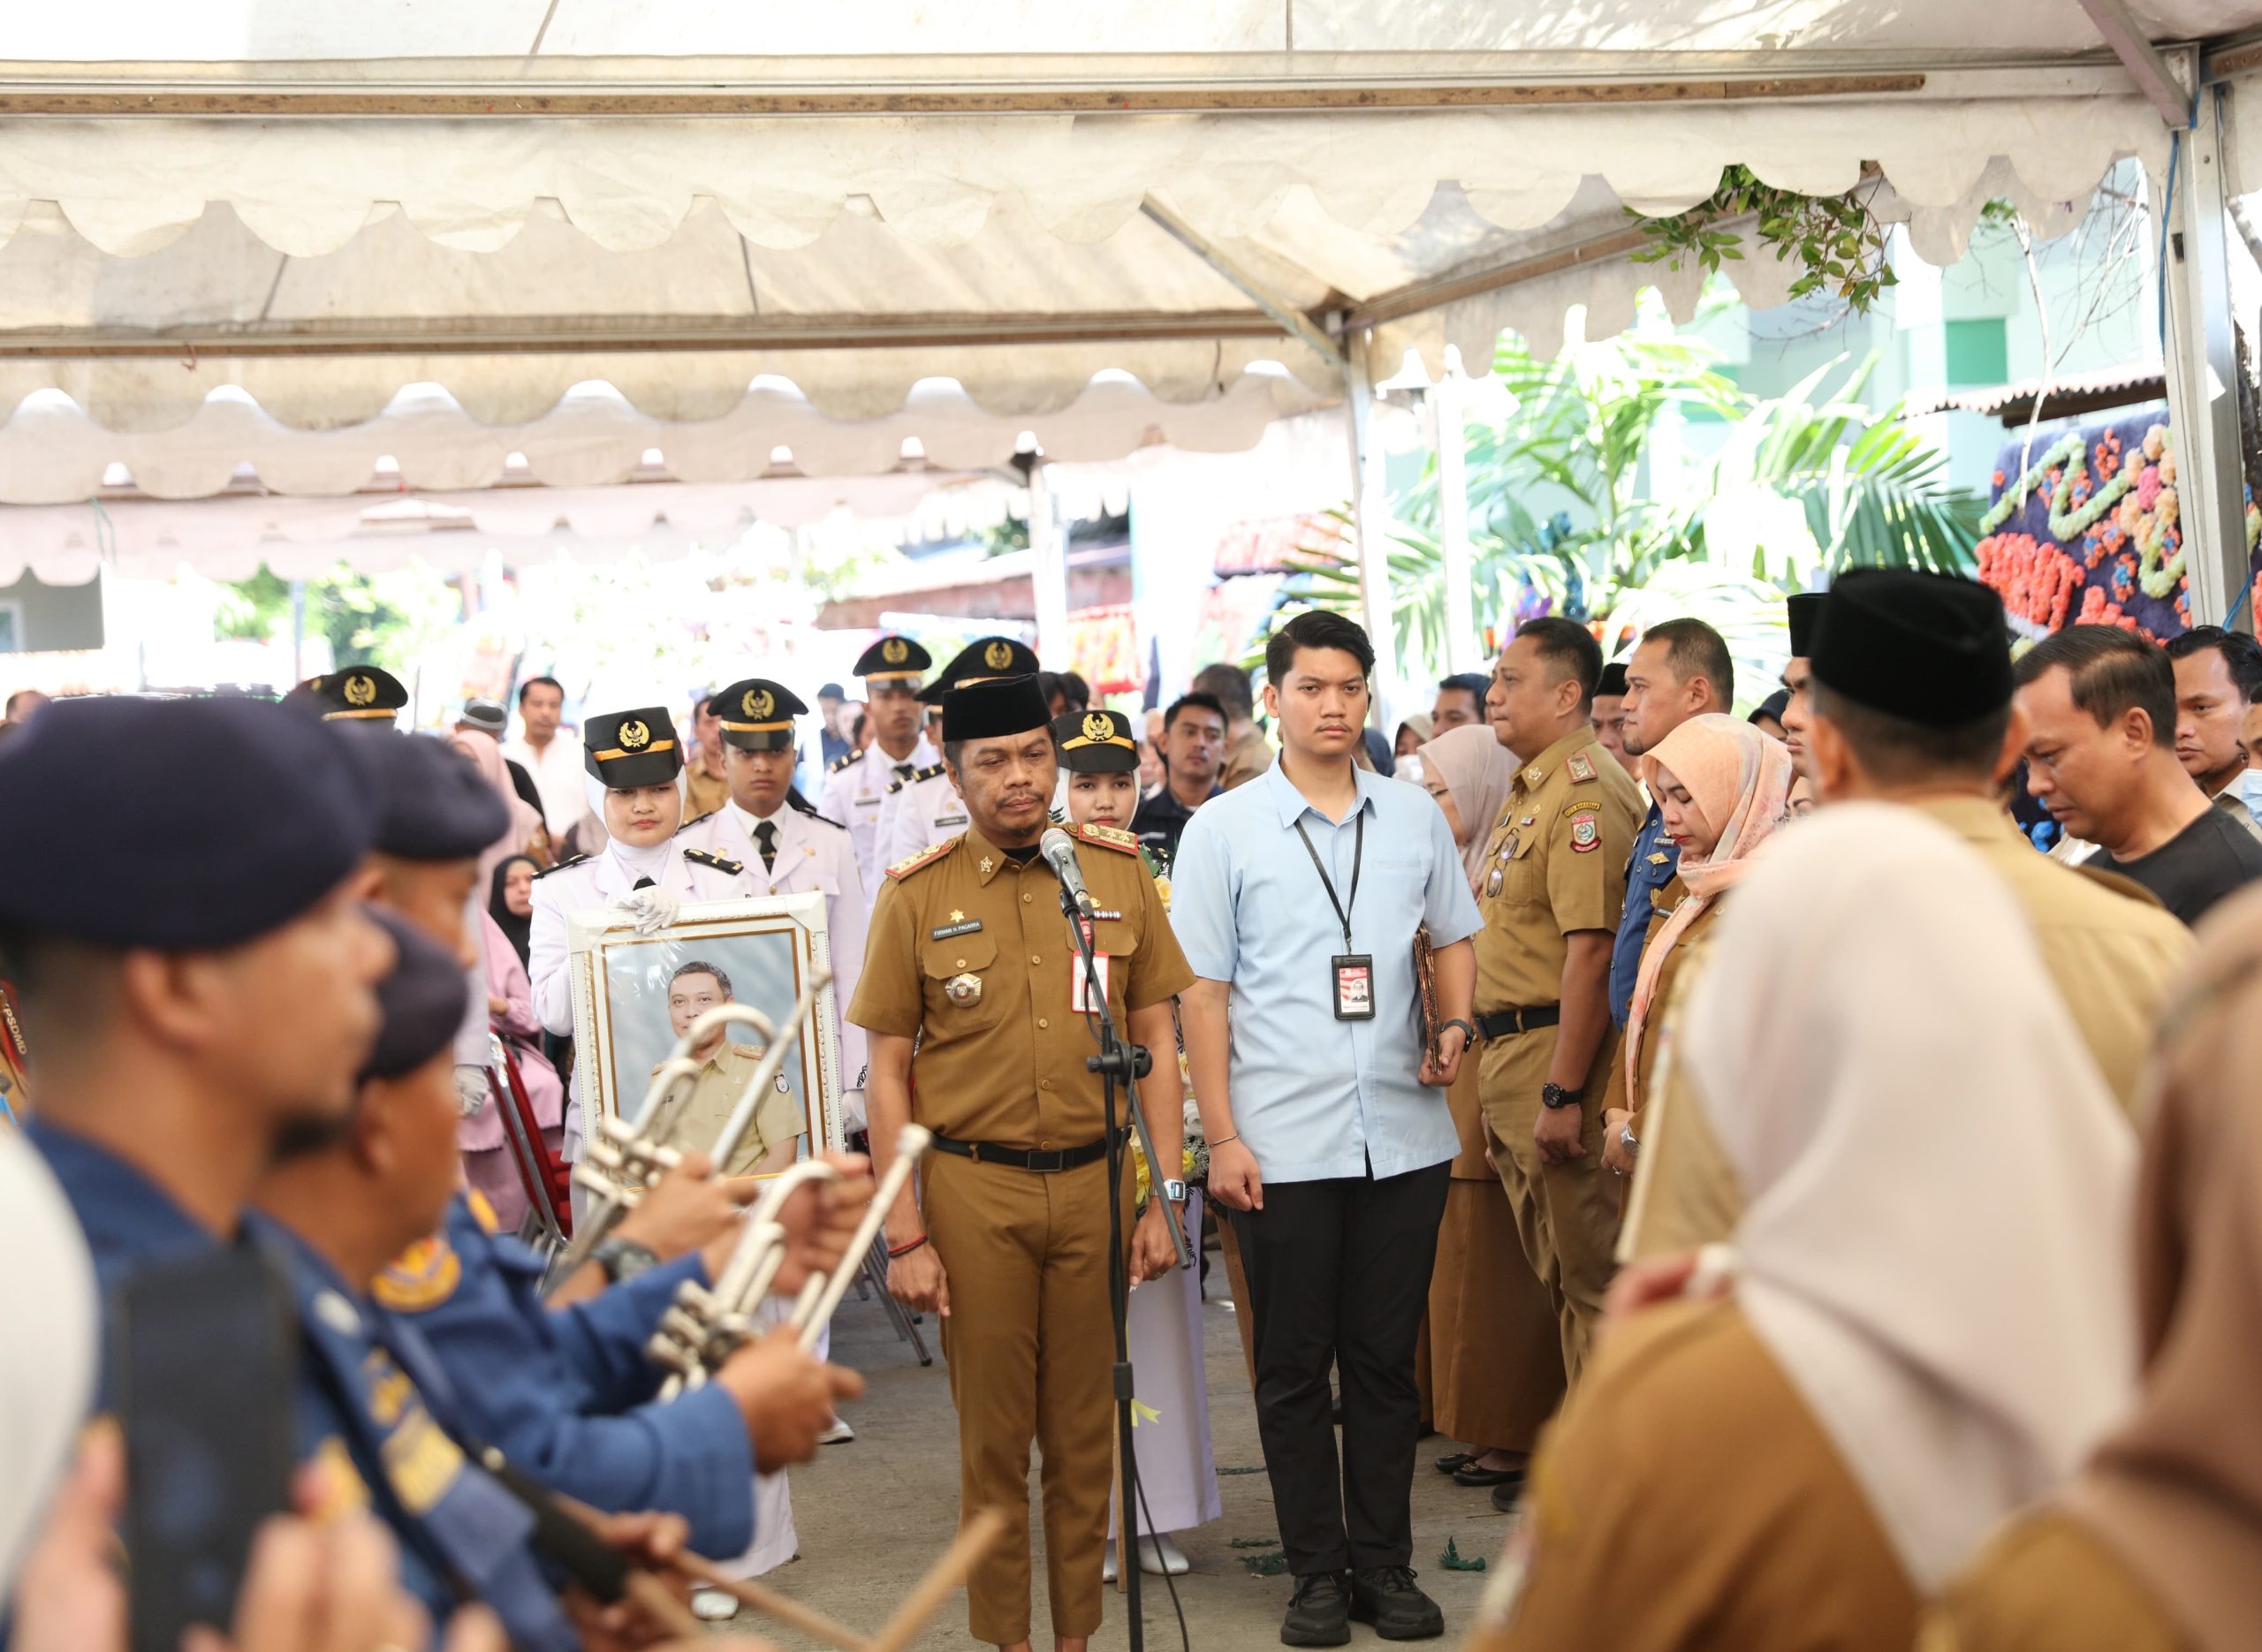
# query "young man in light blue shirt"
(1297, 899)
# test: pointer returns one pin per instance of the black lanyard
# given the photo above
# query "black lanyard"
(1358, 855)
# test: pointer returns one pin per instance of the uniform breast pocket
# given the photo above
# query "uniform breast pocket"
(1400, 885)
(962, 993)
(1516, 875)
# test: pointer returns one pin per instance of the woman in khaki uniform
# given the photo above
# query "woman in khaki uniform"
(1926, 1326)
(1494, 1351)
(1722, 788)
(2154, 1547)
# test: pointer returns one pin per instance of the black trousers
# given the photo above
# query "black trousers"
(1339, 1275)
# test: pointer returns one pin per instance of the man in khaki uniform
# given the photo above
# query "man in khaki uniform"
(970, 956)
(1554, 884)
(726, 1067)
(1911, 703)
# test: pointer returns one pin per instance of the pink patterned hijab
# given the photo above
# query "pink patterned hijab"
(1738, 777)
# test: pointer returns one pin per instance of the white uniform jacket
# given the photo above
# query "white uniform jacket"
(855, 788)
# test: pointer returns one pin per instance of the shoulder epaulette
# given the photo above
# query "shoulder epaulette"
(704, 857)
(1108, 836)
(841, 762)
(911, 863)
(561, 866)
(932, 771)
(802, 805)
(753, 1051)
(894, 786)
(695, 820)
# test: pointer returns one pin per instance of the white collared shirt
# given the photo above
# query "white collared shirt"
(558, 773)
(854, 794)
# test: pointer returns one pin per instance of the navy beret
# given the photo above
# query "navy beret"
(432, 802)
(1927, 647)
(421, 1004)
(186, 825)
(994, 709)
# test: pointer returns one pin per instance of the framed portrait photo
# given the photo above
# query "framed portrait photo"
(635, 995)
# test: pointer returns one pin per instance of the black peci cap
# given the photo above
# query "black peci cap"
(357, 694)
(979, 660)
(1096, 742)
(626, 749)
(892, 661)
(1805, 612)
(421, 1001)
(433, 804)
(1612, 680)
(757, 715)
(1927, 647)
(184, 825)
(994, 709)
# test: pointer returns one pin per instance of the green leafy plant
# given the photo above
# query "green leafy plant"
(1837, 241)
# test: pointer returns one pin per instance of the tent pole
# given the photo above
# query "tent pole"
(1449, 430)
(1370, 523)
(1049, 553)
(2203, 379)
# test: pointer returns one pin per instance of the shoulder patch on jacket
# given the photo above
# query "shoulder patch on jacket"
(707, 856)
(911, 863)
(842, 761)
(1108, 837)
(1578, 766)
(561, 866)
(422, 1276)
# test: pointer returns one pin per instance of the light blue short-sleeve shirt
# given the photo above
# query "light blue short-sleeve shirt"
(1314, 1097)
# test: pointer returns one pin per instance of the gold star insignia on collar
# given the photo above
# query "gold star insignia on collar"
(957, 916)
(986, 864)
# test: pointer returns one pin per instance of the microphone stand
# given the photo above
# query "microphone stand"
(1118, 1063)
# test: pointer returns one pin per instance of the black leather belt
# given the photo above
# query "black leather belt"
(1044, 1161)
(1508, 1023)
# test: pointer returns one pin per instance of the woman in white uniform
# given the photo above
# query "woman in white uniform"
(635, 788)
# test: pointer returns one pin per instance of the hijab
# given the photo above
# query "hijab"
(526, 821)
(651, 862)
(50, 1305)
(1477, 770)
(1741, 782)
(1939, 1184)
(2176, 1489)
(516, 930)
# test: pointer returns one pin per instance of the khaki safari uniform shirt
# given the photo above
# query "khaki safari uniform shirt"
(2109, 946)
(2047, 1583)
(969, 951)
(721, 1082)
(1555, 865)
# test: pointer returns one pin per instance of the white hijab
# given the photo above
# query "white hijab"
(649, 861)
(47, 1358)
(1935, 1240)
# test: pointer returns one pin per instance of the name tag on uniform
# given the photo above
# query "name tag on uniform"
(1354, 985)
(951, 819)
(950, 930)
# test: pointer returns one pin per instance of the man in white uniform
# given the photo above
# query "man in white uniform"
(926, 810)
(855, 785)
(787, 850)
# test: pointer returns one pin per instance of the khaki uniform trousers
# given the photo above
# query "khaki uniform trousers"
(1567, 1215)
(1031, 1346)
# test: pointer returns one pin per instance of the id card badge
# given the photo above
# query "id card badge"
(1078, 998)
(1354, 985)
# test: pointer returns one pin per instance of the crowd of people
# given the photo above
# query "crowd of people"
(1798, 1160)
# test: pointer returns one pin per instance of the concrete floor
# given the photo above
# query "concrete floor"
(873, 1515)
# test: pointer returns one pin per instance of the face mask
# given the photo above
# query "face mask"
(2250, 792)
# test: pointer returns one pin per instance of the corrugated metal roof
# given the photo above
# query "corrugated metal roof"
(2064, 395)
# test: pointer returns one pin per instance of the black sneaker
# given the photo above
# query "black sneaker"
(1386, 1597)
(1319, 1612)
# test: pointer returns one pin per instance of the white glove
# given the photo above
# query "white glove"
(654, 909)
(852, 1112)
(471, 1090)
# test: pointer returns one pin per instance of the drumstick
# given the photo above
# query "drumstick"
(770, 1602)
(659, 1603)
(975, 1539)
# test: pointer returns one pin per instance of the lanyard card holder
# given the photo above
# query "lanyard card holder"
(1354, 985)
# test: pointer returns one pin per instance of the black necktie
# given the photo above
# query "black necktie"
(765, 837)
(903, 771)
(642, 882)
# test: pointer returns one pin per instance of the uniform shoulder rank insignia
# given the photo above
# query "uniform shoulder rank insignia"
(911, 863)
(752, 1052)
(704, 857)
(1109, 837)
(932, 771)
(802, 805)
(562, 865)
(422, 1276)
(894, 786)
(1586, 831)
(841, 762)
(1578, 766)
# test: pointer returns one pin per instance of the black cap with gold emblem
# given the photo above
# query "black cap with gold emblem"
(357, 692)
(631, 748)
(757, 715)
(893, 662)
(977, 662)
(1096, 742)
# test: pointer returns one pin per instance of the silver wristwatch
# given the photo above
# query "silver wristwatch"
(1628, 1140)
(1175, 1192)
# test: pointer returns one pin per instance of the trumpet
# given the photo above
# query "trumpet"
(624, 1157)
(701, 1327)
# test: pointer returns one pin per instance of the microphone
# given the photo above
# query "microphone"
(1060, 852)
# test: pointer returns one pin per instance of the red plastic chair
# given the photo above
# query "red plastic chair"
(547, 1178)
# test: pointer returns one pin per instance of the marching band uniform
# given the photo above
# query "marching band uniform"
(925, 809)
(808, 855)
(857, 784)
